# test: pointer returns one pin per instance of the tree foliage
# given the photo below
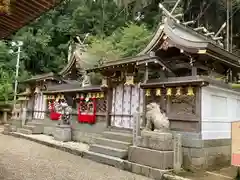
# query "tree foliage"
(117, 29)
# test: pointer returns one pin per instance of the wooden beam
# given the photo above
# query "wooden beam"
(194, 71)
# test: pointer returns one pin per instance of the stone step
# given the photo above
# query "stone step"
(13, 128)
(145, 170)
(119, 153)
(34, 129)
(39, 127)
(149, 157)
(119, 136)
(112, 143)
(113, 129)
(104, 159)
(30, 127)
(24, 131)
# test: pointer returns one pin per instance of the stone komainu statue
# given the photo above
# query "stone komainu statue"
(156, 120)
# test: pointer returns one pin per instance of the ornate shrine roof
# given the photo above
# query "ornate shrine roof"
(181, 37)
(21, 12)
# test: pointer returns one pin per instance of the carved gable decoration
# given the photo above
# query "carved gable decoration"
(86, 80)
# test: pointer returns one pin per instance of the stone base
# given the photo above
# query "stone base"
(63, 133)
(149, 157)
(156, 140)
(7, 129)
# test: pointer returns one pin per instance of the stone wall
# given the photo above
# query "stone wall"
(87, 133)
(204, 154)
(80, 132)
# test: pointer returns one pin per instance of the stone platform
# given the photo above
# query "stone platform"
(154, 149)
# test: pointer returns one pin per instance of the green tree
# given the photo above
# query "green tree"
(6, 90)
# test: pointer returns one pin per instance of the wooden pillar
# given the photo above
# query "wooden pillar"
(144, 94)
(109, 95)
(198, 106)
(146, 73)
(194, 70)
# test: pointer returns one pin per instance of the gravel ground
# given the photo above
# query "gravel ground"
(25, 160)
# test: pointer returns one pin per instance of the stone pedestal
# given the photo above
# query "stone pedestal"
(154, 149)
(63, 133)
(162, 141)
(7, 129)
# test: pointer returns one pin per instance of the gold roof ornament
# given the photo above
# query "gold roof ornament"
(129, 81)
(158, 92)
(148, 93)
(169, 91)
(179, 91)
(190, 91)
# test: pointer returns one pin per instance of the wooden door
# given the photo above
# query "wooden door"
(39, 106)
(126, 101)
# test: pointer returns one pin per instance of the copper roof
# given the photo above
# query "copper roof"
(21, 13)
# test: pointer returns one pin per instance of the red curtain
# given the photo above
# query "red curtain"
(87, 117)
(55, 116)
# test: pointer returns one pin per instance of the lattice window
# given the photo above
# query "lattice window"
(101, 105)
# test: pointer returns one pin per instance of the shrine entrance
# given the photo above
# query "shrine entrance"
(126, 101)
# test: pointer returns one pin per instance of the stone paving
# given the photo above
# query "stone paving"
(26, 160)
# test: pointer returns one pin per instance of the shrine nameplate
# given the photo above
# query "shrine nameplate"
(235, 159)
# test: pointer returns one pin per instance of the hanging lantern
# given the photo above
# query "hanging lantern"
(90, 95)
(62, 97)
(102, 95)
(77, 96)
(190, 91)
(97, 95)
(158, 92)
(148, 93)
(93, 95)
(82, 96)
(58, 97)
(179, 91)
(104, 83)
(129, 81)
(169, 91)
